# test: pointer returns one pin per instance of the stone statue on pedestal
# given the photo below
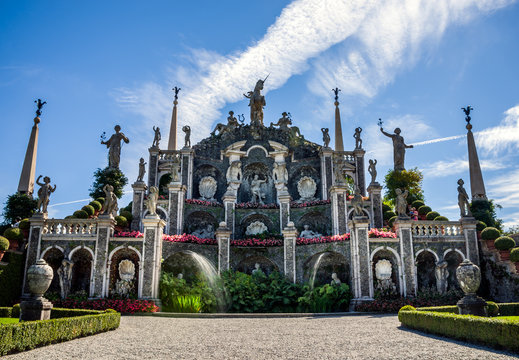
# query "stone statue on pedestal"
(257, 269)
(187, 138)
(401, 203)
(234, 172)
(157, 137)
(308, 234)
(463, 200)
(358, 140)
(256, 103)
(358, 203)
(255, 187)
(65, 277)
(232, 124)
(175, 165)
(114, 146)
(398, 148)
(110, 206)
(441, 273)
(326, 137)
(44, 193)
(280, 173)
(335, 280)
(283, 122)
(142, 170)
(151, 200)
(373, 170)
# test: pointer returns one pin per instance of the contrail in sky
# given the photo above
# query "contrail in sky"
(427, 142)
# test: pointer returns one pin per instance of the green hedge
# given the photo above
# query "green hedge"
(5, 312)
(444, 309)
(11, 278)
(28, 335)
(501, 333)
(508, 309)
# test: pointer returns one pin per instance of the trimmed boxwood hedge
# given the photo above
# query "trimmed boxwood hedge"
(495, 332)
(514, 255)
(424, 210)
(441, 218)
(490, 233)
(480, 226)
(509, 309)
(504, 243)
(30, 334)
(417, 203)
(431, 215)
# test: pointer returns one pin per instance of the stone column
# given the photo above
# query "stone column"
(33, 246)
(362, 277)
(105, 229)
(223, 236)
(375, 195)
(139, 189)
(360, 180)
(468, 225)
(153, 167)
(289, 257)
(229, 204)
(188, 156)
(403, 230)
(152, 255)
(326, 171)
(338, 199)
(284, 208)
(177, 193)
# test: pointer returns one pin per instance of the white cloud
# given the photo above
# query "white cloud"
(443, 168)
(502, 137)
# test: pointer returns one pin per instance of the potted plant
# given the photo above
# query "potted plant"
(14, 235)
(480, 227)
(489, 234)
(4, 246)
(24, 226)
(120, 223)
(514, 257)
(504, 244)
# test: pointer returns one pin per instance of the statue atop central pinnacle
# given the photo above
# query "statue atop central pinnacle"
(257, 102)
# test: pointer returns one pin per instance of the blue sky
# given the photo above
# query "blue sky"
(412, 63)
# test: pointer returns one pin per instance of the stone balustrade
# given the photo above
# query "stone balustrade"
(349, 156)
(168, 155)
(68, 227)
(421, 229)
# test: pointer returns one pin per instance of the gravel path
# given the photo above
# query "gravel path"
(348, 337)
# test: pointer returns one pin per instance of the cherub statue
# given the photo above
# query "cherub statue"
(110, 206)
(326, 137)
(157, 137)
(401, 203)
(358, 140)
(358, 203)
(151, 201)
(142, 170)
(187, 138)
(44, 193)
(463, 200)
(373, 170)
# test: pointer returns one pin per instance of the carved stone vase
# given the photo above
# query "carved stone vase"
(469, 278)
(39, 277)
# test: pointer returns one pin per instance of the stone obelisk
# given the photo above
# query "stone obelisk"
(26, 184)
(477, 186)
(339, 145)
(172, 144)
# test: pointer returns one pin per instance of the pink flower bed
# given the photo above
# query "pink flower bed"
(203, 203)
(129, 234)
(323, 239)
(295, 204)
(251, 205)
(125, 306)
(257, 242)
(381, 233)
(187, 238)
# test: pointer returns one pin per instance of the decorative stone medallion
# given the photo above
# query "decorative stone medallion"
(207, 188)
(306, 187)
(256, 227)
(126, 270)
(383, 269)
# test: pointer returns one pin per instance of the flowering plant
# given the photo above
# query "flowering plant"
(161, 197)
(129, 234)
(381, 233)
(126, 306)
(295, 204)
(323, 239)
(257, 242)
(188, 238)
(203, 203)
(251, 205)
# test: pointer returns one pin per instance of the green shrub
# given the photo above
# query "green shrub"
(13, 234)
(453, 309)
(28, 335)
(501, 333)
(11, 278)
(408, 307)
(19, 206)
(4, 244)
(5, 312)
(441, 218)
(504, 243)
(514, 255)
(171, 287)
(492, 309)
(386, 207)
(485, 210)
(391, 221)
(417, 204)
(80, 214)
(490, 233)
(509, 309)
(100, 200)
(431, 215)
(424, 210)
(69, 217)
(187, 304)
(25, 224)
(16, 311)
(89, 210)
(96, 205)
(121, 221)
(480, 226)
(326, 298)
(127, 215)
(388, 215)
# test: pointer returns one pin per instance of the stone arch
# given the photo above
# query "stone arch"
(204, 170)
(247, 265)
(117, 255)
(253, 147)
(246, 221)
(317, 221)
(264, 172)
(54, 255)
(388, 253)
(319, 267)
(297, 173)
(190, 264)
(82, 270)
(453, 257)
(164, 180)
(366, 213)
(198, 221)
(426, 260)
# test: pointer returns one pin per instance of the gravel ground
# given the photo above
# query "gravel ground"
(346, 337)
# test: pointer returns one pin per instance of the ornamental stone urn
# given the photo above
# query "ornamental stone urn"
(469, 278)
(36, 307)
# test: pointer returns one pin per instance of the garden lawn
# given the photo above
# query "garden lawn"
(8, 321)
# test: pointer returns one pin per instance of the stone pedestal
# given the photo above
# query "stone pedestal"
(223, 236)
(468, 225)
(403, 230)
(33, 246)
(361, 273)
(472, 305)
(359, 172)
(187, 155)
(177, 193)
(152, 255)
(338, 199)
(105, 229)
(139, 190)
(284, 208)
(375, 195)
(289, 257)
(153, 166)
(326, 171)
(229, 204)
(32, 309)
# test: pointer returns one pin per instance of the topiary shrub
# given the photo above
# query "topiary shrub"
(490, 233)
(441, 218)
(504, 243)
(417, 204)
(96, 205)
(492, 309)
(392, 221)
(514, 255)
(80, 214)
(386, 207)
(69, 217)
(4, 244)
(431, 215)
(121, 221)
(480, 226)
(13, 234)
(388, 215)
(25, 224)
(407, 308)
(100, 200)
(424, 210)
(89, 210)
(128, 215)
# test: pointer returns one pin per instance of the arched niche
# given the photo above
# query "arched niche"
(191, 265)
(317, 221)
(204, 170)
(318, 268)
(54, 256)
(198, 221)
(245, 222)
(264, 172)
(453, 259)
(164, 181)
(387, 254)
(247, 265)
(124, 253)
(81, 270)
(297, 173)
(425, 265)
